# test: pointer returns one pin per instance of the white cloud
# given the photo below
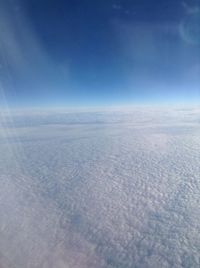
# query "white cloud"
(100, 189)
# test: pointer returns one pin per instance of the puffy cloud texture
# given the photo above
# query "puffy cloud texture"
(103, 189)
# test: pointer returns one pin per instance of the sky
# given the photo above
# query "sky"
(96, 53)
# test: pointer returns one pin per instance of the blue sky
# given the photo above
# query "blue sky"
(103, 52)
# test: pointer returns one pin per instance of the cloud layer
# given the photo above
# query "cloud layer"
(100, 189)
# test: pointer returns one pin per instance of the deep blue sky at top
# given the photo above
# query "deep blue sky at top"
(99, 52)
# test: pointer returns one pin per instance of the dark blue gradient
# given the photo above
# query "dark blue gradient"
(102, 52)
